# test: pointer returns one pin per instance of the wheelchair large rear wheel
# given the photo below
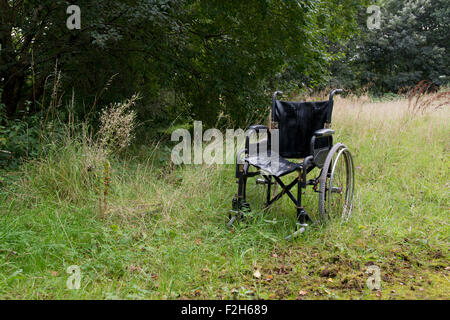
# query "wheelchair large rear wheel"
(337, 182)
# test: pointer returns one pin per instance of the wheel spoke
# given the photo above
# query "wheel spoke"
(336, 202)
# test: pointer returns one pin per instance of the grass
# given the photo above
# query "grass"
(163, 236)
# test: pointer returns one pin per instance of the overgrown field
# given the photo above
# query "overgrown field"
(161, 230)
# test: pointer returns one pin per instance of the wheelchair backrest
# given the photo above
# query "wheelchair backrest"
(297, 121)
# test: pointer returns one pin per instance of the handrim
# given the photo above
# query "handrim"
(327, 178)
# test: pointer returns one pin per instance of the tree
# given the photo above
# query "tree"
(412, 45)
(195, 57)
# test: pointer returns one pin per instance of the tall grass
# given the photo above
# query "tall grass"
(163, 234)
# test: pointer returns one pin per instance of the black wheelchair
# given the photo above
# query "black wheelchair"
(304, 132)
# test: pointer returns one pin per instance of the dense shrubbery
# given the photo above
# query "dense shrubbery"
(413, 44)
(18, 138)
(188, 58)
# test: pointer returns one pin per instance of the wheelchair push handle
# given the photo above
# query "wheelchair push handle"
(277, 93)
(274, 99)
(336, 91)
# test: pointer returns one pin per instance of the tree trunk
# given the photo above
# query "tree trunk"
(11, 92)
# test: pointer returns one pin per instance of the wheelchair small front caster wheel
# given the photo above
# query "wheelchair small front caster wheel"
(301, 228)
(234, 216)
(231, 221)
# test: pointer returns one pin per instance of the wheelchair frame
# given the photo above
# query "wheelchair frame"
(319, 157)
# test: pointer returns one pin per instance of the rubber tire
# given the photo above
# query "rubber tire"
(324, 176)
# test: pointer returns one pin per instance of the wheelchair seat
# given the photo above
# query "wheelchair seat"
(267, 164)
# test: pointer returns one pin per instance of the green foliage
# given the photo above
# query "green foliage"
(18, 139)
(191, 58)
(412, 45)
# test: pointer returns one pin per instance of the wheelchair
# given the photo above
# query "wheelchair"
(304, 133)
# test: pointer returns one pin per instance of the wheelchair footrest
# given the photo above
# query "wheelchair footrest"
(238, 211)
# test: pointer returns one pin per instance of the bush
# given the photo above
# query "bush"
(412, 45)
(75, 166)
(18, 139)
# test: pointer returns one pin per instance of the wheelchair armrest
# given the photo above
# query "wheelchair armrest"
(323, 133)
(320, 152)
(258, 127)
